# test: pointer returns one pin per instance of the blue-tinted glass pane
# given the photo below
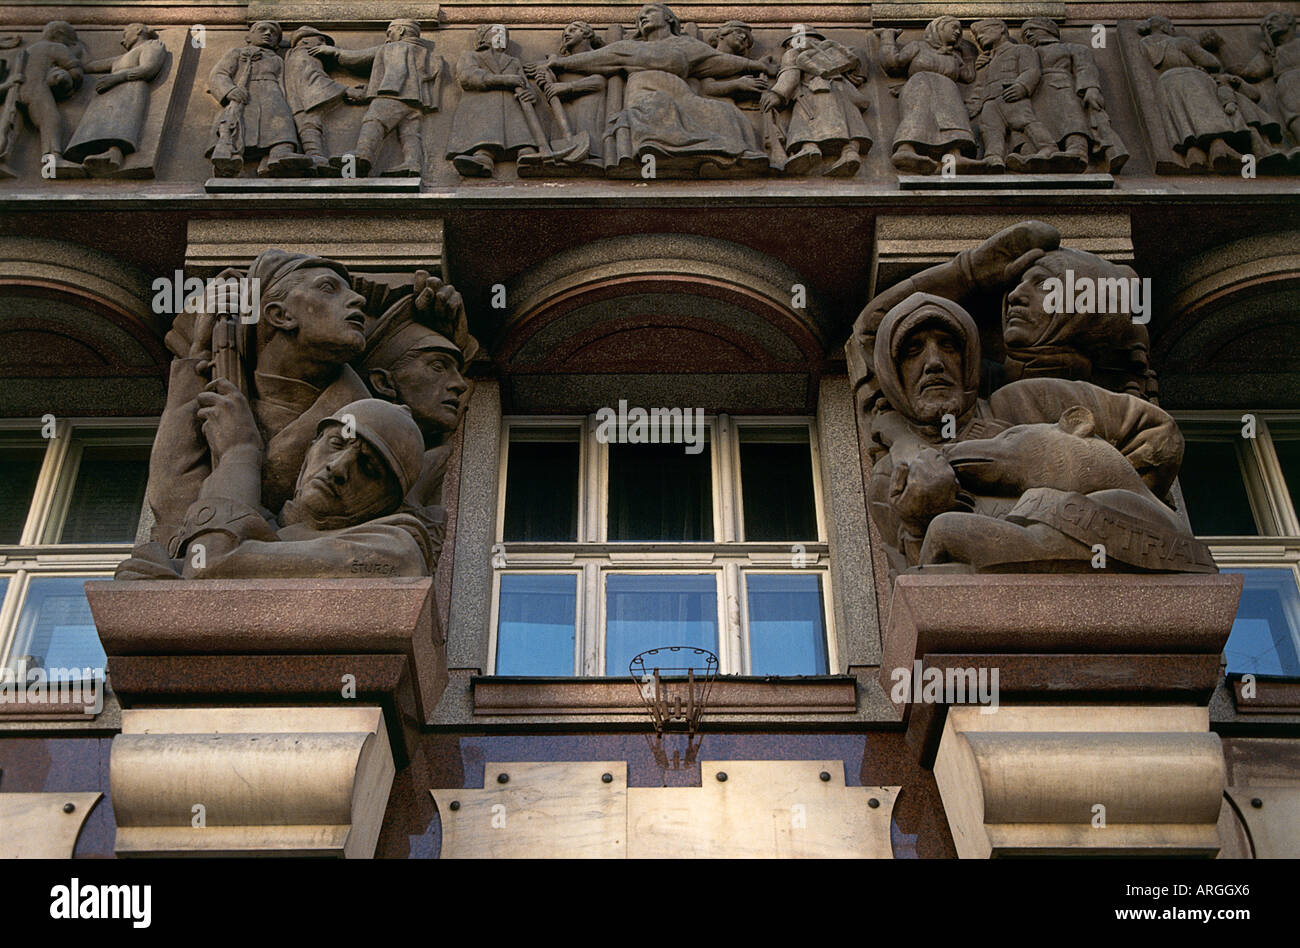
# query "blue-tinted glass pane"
(787, 635)
(649, 611)
(55, 629)
(536, 624)
(1267, 628)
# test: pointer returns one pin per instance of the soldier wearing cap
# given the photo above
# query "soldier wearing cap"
(415, 354)
(313, 94)
(404, 84)
(309, 325)
(343, 519)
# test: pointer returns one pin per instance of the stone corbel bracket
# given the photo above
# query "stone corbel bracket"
(1050, 780)
(249, 781)
(269, 641)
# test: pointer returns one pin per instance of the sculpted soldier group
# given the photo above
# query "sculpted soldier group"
(289, 464)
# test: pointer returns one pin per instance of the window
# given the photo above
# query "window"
(1240, 481)
(606, 548)
(69, 509)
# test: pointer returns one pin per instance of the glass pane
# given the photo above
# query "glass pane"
(55, 629)
(658, 492)
(1214, 491)
(22, 466)
(541, 489)
(108, 494)
(649, 611)
(1287, 447)
(777, 485)
(787, 635)
(1267, 628)
(536, 624)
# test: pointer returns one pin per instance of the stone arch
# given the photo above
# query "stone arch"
(1235, 316)
(662, 319)
(77, 335)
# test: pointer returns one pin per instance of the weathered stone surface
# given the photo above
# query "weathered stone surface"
(1098, 780)
(274, 626)
(1052, 473)
(250, 781)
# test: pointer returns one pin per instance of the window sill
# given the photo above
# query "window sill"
(729, 696)
(1271, 696)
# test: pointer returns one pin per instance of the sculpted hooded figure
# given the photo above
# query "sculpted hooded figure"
(1031, 479)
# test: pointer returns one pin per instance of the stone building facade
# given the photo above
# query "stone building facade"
(614, 304)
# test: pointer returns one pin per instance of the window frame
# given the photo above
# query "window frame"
(35, 555)
(1277, 545)
(727, 557)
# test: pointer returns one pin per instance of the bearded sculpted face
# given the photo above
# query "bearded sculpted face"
(930, 367)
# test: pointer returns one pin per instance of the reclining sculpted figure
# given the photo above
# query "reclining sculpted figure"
(343, 520)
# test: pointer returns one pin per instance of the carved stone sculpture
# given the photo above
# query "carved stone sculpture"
(416, 349)
(933, 119)
(1279, 58)
(249, 427)
(313, 95)
(11, 79)
(1006, 76)
(256, 119)
(820, 81)
(1202, 122)
(735, 38)
(343, 519)
(653, 111)
(292, 362)
(1069, 102)
(1245, 105)
(577, 104)
(405, 80)
(1036, 339)
(114, 120)
(1043, 471)
(495, 120)
(51, 70)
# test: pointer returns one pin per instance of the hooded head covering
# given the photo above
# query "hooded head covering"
(905, 318)
(1071, 345)
(932, 29)
(390, 430)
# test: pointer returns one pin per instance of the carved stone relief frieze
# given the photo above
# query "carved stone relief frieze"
(93, 104)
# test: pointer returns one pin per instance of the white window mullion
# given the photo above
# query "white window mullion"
(726, 491)
(597, 506)
(734, 660)
(591, 623)
(13, 598)
(1274, 482)
(47, 485)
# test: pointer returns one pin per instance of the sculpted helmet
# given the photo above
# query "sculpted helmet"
(390, 430)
